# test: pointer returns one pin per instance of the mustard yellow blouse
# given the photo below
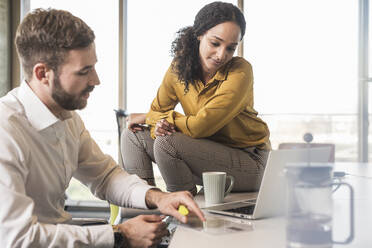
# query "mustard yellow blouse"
(221, 110)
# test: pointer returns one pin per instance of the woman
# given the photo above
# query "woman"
(220, 130)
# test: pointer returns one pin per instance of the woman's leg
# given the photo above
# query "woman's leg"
(181, 159)
(137, 150)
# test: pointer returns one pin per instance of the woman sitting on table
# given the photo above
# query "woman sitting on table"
(220, 130)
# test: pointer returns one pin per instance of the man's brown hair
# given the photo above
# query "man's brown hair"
(45, 36)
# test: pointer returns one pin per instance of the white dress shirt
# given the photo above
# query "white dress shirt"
(39, 154)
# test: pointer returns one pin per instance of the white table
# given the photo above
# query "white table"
(271, 232)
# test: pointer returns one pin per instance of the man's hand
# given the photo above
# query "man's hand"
(168, 203)
(144, 230)
(135, 120)
(163, 127)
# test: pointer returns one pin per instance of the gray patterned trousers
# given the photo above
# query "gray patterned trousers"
(182, 160)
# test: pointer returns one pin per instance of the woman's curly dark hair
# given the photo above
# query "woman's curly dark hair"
(185, 48)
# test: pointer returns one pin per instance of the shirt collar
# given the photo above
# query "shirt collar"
(39, 116)
(221, 74)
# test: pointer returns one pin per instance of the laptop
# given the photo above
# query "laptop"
(271, 198)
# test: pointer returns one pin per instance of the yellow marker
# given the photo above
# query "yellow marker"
(183, 210)
(114, 212)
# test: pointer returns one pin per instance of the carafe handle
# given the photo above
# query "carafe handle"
(351, 236)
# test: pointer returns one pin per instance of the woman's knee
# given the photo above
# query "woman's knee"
(129, 138)
(130, 146)
(166, 145)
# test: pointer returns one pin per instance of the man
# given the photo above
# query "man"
(43, 143)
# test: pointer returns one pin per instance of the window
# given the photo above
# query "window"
(98, 116)
(304, 58)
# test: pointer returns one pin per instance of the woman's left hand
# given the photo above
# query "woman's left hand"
(163, 127)
(135, 121)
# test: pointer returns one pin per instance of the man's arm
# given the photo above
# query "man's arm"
(104, 177)
(19, 226)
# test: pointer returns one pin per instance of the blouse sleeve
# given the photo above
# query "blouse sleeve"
(163, 105)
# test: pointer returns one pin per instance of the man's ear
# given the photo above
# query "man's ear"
(42, 73)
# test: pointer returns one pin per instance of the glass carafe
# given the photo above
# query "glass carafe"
(309, 213)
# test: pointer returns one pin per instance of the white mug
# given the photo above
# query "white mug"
(214, 186)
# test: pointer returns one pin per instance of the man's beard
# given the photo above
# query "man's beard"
(66, 100)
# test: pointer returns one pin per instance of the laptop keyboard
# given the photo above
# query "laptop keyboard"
(242, 210)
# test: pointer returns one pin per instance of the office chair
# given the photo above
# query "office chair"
(115, 210)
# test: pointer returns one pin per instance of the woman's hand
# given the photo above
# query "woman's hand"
(163, 127)
(135, 121)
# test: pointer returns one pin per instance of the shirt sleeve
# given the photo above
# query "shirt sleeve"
(19, 227)
(231, 98)
(163, 105)
(105, 178)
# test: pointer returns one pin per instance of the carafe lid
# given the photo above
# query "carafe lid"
(315, 175)
(310, 173)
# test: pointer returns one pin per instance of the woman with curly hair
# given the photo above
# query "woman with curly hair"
(219, 130)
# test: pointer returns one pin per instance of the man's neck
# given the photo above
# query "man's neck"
(41, 92)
